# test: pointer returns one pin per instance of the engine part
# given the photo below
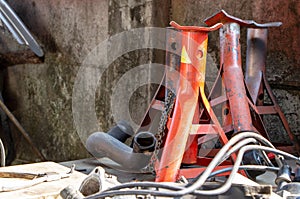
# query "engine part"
(297, 174)
(144, 143)
(71, 193)
(255, 158)
(95, 182)
(283, 176)
(101, 145)
(177, 191)
(293, 188)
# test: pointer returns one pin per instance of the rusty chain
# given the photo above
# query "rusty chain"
(168, 107)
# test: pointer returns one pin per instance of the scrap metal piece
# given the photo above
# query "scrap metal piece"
(95, 182)
(18, 29)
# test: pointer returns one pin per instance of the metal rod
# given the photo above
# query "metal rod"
(22, 130)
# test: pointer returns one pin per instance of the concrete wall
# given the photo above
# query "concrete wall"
(40, 95)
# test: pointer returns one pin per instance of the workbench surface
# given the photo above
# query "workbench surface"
(45, 190)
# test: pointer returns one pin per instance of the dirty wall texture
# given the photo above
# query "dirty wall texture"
(40, 95)
(283, 57)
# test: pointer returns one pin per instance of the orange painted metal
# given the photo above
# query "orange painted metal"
(234, 78)
(191, 86)
(191, 148)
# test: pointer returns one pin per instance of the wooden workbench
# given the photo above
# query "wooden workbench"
(45, 190)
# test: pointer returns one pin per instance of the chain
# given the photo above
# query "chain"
(168, 107)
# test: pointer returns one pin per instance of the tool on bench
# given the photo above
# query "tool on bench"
(31, 179)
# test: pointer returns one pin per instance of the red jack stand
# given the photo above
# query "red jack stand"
(193, 120)
(185, 118)
(256, 81)
(184, 126)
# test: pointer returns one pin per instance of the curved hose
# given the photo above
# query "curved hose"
(101, 145)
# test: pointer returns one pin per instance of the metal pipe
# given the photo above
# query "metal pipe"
(101, 145)
(122, 131)
(234, 78)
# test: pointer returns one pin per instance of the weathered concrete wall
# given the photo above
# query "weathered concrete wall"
(283, 68)
(123, 16)
(41, 95)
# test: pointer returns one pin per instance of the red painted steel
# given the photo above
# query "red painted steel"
(231, 70)
(234, 78)
(193, 120)
(192, 79)
(191, 148)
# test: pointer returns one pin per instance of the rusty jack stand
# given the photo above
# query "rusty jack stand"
(256, 81)
(181, 141)
(185, 124)
(243, 117)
